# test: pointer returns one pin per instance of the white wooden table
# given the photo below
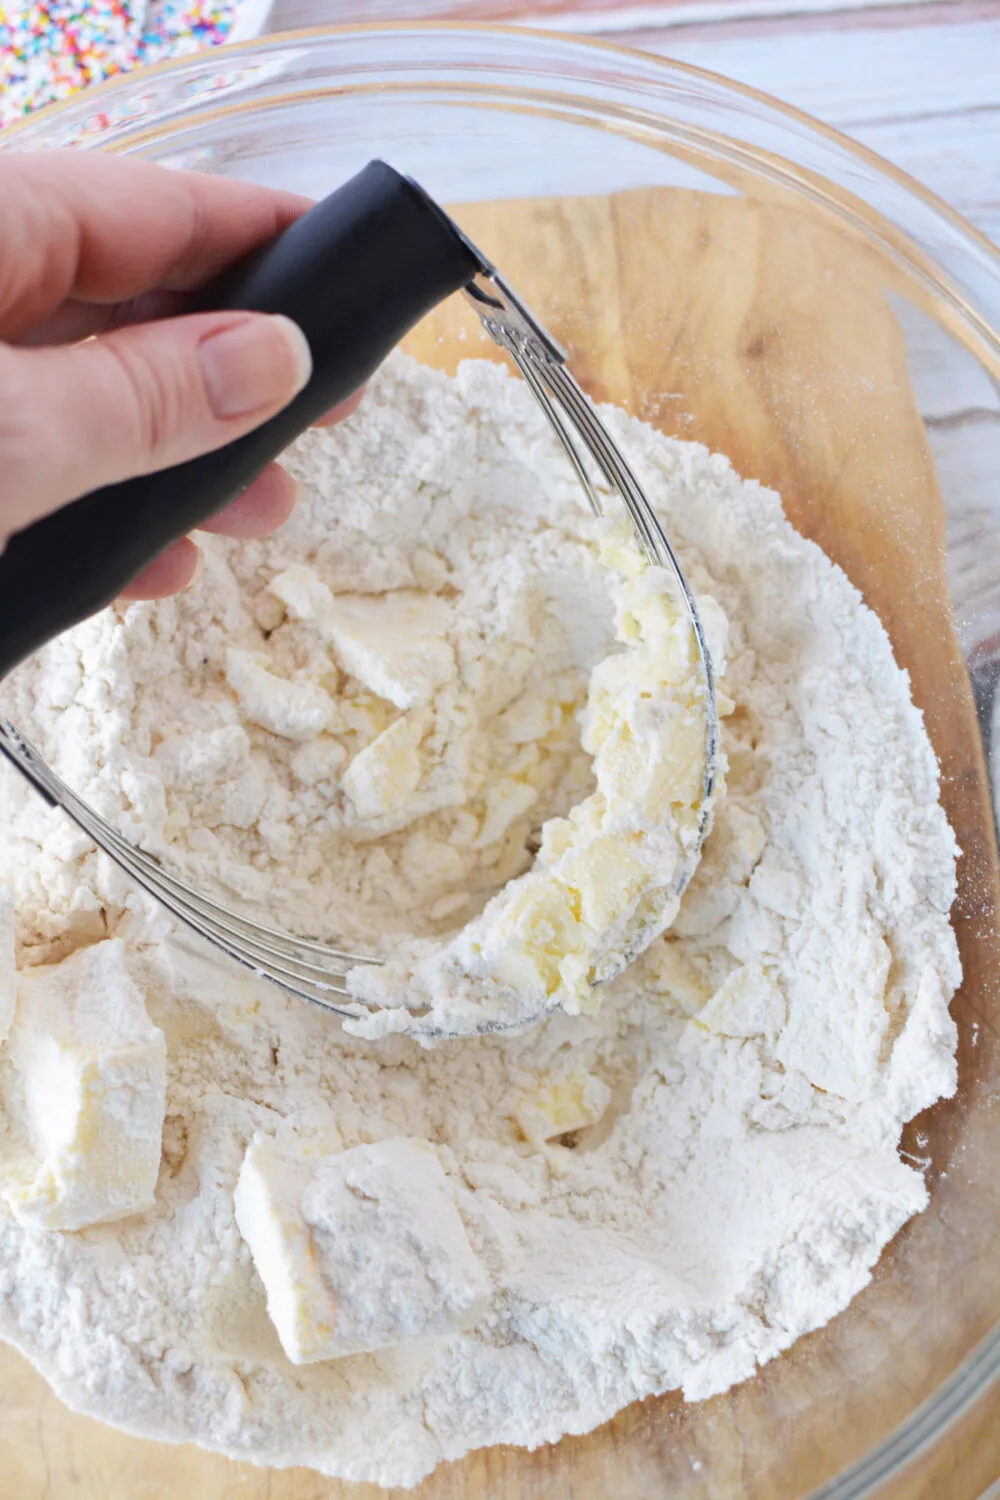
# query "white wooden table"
(917, 82)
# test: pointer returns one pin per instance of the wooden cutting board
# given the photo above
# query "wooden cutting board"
(762, 332)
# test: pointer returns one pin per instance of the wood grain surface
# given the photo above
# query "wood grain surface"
(757, 329)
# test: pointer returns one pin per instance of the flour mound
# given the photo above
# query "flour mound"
(662, 1195)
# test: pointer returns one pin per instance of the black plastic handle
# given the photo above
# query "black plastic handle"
(355, 273)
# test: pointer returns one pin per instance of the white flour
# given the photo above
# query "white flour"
(661, 1195)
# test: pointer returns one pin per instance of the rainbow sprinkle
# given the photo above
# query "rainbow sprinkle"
(53, 47)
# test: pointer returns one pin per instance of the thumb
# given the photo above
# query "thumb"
(142, 398)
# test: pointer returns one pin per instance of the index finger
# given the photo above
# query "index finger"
(104, 229)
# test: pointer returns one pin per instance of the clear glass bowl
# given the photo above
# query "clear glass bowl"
(481, 114)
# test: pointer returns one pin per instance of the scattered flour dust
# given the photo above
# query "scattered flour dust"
(665, 1194)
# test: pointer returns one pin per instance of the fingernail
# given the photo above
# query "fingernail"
(199, 568)
(255, 366)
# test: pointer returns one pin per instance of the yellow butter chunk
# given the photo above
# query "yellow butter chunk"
(267, 1202)
(747, 1004)
(607, 875)
(660, 767)
(394, 643)
(358, 1250)
(668, 972)
(383, 776)
(618, 552)
(536, 932)
(90, 1075)
(558, 1106)
(747, 840)
(505, 803)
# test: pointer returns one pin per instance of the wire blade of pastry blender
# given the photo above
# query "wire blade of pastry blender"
(542, 363)
(316, 972)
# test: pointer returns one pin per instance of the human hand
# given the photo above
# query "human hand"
(108, 250)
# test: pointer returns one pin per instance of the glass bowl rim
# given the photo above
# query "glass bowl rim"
(121, 82)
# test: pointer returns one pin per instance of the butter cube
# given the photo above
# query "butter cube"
(382, 778)
(360, 1250)
(609, 680)
(557, 838)
(653, 770)
(746, 839)
(92, 1073)
(617, 548)
(558, 1106)
(294, 710)
(747, 1004)
(537, 931)
(303, 593)
(506, 801)
(668, 972)
(394, 643)
(608, 878)
(648, 611)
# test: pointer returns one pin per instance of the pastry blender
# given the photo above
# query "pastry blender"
(356, 273)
